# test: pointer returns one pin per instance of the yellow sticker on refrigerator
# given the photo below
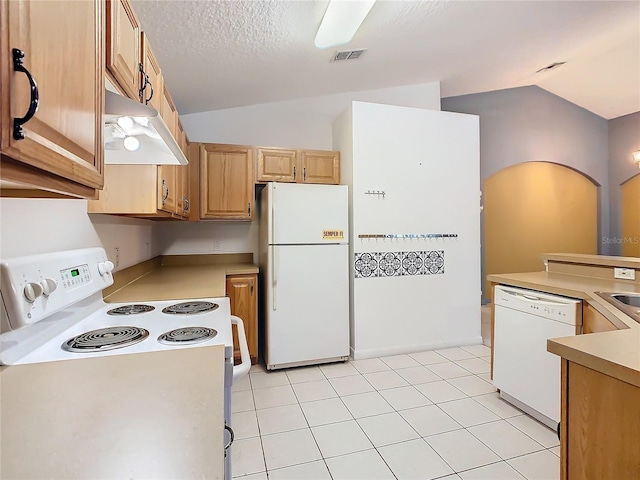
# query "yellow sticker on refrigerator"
(333, 234)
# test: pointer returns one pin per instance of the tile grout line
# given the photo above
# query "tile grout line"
(394, 410)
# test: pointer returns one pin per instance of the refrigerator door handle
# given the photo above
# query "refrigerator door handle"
(274, 273)
(273, 214)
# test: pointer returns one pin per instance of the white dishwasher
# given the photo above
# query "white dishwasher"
(525, 373)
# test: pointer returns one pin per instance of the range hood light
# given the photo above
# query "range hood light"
(135, 134)
(131, 143)
(126, 123)
(144, 121)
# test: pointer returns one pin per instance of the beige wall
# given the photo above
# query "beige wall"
(537, 207)
(630, 193)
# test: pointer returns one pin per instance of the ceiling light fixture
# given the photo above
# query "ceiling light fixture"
(636, 157)
(341, 21)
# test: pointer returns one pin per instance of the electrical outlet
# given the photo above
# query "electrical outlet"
(147, 249)
(117, 257)
(216, 245)
(624, 273)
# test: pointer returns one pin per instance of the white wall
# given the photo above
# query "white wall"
(186, 238)
(428, 164)
(301, 123)
(32, 226)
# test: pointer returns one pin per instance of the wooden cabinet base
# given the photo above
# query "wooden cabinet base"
(242, 291)
(602, 422)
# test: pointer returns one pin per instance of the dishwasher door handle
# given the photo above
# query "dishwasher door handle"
(532, 298)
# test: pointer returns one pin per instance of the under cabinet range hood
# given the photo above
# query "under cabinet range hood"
(135, 134)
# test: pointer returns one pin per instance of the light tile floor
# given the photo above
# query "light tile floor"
(420, 416)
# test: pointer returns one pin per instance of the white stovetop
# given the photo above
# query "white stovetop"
(48, 348)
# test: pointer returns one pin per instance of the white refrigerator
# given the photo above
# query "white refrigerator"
(304, 263)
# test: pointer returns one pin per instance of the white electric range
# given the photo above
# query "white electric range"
(52, 310)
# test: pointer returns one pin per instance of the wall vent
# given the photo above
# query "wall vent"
(348, 55)
(553, 66)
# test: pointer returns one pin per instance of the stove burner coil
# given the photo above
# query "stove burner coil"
(105, 339)
(186, 308)
(131, 309)
(187, 336)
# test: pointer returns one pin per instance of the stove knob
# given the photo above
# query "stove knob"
(105, 267)
(32, 291)
(48, 286)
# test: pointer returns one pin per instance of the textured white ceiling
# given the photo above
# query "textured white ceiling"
(222, 54)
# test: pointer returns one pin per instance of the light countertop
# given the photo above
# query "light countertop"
(614, 353)
(584, 259)
(147, 415)
(177, 282)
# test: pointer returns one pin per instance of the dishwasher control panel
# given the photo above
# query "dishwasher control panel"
(546, 305)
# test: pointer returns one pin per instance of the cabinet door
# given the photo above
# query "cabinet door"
(276, 165)
(184, 178)
(128, 190)
(593, 321)
(242, 291)
(227, 180)
(123, 46)
(167, 188)
(320, 167)
(169, 113)
(63, 50)
(154, 90)
(181, 174)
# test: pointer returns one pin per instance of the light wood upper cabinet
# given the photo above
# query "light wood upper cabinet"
(184, 204)
(168, 188)
(276, 165)
(154, 87)
(169, 113)
(320, 167)
(128, 190)
(123, 46)
(62, 43)
(242, 291)
(297, 166)
(226, 182)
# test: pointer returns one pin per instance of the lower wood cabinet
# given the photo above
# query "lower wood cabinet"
(600, 425)
(242, 291)
(593, 321)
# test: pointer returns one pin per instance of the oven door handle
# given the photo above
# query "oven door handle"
(243, 367)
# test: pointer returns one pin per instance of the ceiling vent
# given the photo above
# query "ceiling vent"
(553, 66)
(349, 55)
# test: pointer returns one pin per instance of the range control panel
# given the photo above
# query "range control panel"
(37, 286)
(75, 276)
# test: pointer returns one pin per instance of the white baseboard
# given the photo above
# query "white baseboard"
(404, 349)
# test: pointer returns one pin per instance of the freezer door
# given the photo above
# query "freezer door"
(308, 214)
(307, 303)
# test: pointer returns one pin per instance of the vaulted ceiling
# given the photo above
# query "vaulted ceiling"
(222, 54)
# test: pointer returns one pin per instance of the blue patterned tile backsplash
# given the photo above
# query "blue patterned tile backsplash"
(396, 264)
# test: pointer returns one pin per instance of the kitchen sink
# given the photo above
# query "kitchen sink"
(633, 300)
(629, 303)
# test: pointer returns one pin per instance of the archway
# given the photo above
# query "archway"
(533, 208)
